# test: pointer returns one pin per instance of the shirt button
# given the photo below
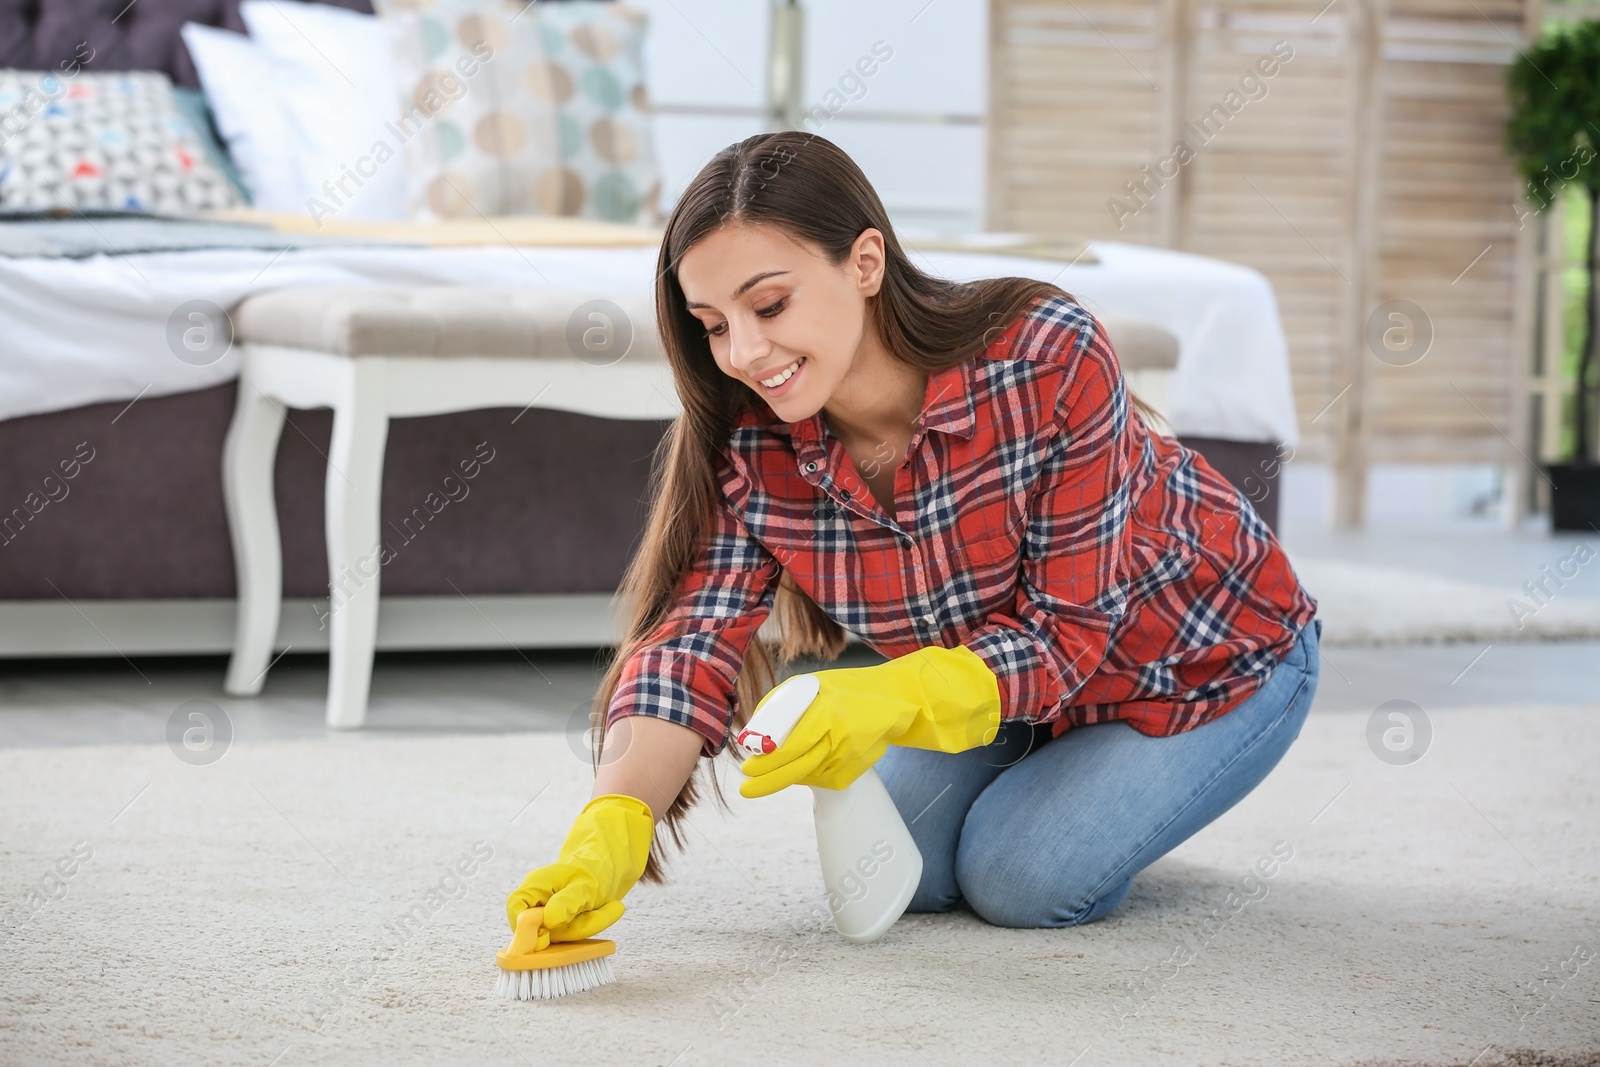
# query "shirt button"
(811, 467)
(844, 494)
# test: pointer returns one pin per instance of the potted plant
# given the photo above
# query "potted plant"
(1553, 132)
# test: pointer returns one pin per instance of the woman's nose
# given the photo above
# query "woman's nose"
(746, 346)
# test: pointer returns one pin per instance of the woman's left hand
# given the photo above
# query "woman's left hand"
(946, 699)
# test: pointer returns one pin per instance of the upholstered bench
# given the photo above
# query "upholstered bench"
(1148, 353)
(372, 354)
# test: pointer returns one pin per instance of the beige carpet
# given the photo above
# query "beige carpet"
(1362, 604)
(255, 912)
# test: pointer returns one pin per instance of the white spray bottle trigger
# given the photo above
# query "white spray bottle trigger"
(775, 717)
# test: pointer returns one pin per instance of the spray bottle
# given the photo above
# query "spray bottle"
(870, 864)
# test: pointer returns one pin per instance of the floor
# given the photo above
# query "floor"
(1477, 551)
(105, 701)
(303, 902)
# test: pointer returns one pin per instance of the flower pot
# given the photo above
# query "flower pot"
(1574, 496)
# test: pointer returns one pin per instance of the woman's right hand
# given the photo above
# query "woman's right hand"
(603, 856)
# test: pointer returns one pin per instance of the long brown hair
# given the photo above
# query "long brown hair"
(807, 186)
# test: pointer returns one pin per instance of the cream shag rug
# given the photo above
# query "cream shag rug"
(1366, 605)
(340, 902)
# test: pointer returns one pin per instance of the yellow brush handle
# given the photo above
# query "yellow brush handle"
(530, 936)
(531, 950)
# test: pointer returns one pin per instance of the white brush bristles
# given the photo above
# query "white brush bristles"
(551, 982)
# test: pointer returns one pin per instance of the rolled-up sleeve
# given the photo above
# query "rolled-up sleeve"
(1071, 590)
(688, 670)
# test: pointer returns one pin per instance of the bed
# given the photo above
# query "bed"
(131, 554)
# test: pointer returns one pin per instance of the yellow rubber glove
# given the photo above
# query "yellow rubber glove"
(946, 699)
(602, 858)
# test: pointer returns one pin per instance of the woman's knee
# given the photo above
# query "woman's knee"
(1027, 889)
(933, 792)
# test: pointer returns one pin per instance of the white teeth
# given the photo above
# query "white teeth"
(778, 379)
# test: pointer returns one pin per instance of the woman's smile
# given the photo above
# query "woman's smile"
(778, 384)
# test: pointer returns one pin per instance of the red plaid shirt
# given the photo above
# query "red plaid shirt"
(1101, 570)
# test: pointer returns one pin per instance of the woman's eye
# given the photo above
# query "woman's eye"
(717, 330)
(770, 310)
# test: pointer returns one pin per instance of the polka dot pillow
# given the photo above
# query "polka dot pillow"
(525, 109)
(105, 141)
(594, 72)
(476, 140)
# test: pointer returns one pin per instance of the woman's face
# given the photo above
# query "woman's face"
(772, 306)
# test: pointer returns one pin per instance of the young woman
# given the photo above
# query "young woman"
(1094, 646)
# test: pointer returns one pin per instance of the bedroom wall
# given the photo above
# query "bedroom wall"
(916, 126)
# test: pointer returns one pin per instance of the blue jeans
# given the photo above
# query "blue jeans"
(1035, 832)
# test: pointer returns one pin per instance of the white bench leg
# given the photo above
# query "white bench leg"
(355, 479)
(248, 458)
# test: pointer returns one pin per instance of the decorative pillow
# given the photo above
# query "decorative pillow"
(526, 108)
(107, 141)
(477, 140)
(596, 77)
(192, 102)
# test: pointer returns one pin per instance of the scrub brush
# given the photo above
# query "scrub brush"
(544, 974)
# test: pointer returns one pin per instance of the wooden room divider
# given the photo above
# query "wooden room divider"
(1350, 150)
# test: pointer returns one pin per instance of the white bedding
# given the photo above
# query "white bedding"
(82, 331)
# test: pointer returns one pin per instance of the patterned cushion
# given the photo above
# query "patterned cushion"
(192, 103)
(114, 141)
(595, 74)
(532, 109)
(476, 139)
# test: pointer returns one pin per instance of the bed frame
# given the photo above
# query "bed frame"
(131, 554)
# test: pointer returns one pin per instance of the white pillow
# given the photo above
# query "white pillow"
(304, 107)
(336, 89)
(233, 72)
